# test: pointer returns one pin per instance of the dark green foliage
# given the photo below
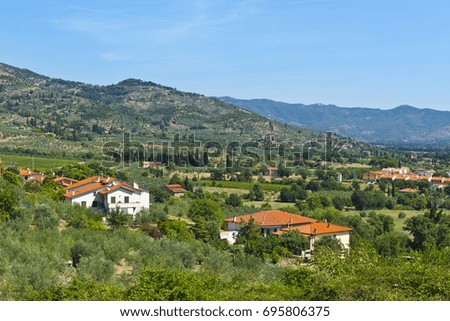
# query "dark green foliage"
(363, 200)
(9, 198)
(329, 242)
(150, 230)
(166, 285)
(294, 242)
(12, 178)
(80, 290)
(159, 195)
(381, 223)
(391, 244)
(234, 200)
(256, 193)
(199, 192)
(208, 218)
(430, 229)
(152, 215)
(293, 194)
(176, 229)
(118, 219)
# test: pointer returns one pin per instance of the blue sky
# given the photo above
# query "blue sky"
(345, 52)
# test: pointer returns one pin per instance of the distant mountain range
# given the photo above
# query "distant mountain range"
(405, 126)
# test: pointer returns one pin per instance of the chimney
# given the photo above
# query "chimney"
(73, 193)
(135, 185)
(234, 219)
(107, 180)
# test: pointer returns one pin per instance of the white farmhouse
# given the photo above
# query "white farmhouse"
(107, 194)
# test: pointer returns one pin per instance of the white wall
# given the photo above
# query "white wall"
(137, 201)
(344, 238)
(89, 198)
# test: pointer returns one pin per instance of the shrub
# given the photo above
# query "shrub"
(401, 215)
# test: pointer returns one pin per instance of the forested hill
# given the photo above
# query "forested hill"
(400, 126)
(74, 110)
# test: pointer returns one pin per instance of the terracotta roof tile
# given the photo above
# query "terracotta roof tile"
(407, 190)
(319, 228)
(273, 218)
(98, 179)
(83, 190)
(108, 189)
(25, 172)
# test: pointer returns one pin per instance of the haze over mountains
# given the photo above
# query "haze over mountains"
(401, 126)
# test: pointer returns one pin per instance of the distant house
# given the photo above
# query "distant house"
(39, 178)
(107, 194)
(402, 177)
(407, 191)
(27, 174)
(424, 172)
(146, 164)
(270, 221)
(436, 187)
(229, 236)
(394, 170)
(372, 175)
(129, 199)
(65, 181)
(278, 222)
(317, 230)
(339, 177)
(437, 179)
(176, 189)
(90, 181)
(271, 170)
(386, 173)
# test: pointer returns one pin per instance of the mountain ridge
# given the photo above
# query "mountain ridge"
(32, 104)
(403, 125)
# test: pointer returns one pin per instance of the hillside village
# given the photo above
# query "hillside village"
(120, 192)
(108, 194)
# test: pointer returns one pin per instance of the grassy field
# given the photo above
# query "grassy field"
(398, 222)
(244, 185)
(274, 205)
(216, 189)
(39, 163)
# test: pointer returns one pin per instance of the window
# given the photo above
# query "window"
(113, 199)
(94, 204)
(83, 203)
(127, 199)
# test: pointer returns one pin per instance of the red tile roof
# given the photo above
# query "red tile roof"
(319, 228)
(109, 189)
(25, 172)
(97, 179)
(407, 190)
(38, 178)
(176, 188)
(273, 218)
(83, 190)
